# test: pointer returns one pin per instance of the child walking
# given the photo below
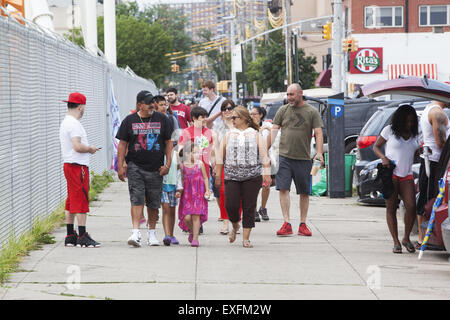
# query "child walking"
(193, 209)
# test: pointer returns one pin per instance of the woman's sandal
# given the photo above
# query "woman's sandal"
(232, 236)
(397, 249)
(409, 247)
(224, 230)
(247, 244)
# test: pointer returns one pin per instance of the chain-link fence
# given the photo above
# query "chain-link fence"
(37, 71)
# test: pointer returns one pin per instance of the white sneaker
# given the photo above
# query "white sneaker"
(135, 239)
(151, 238)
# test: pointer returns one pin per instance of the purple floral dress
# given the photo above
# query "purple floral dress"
(193, 198)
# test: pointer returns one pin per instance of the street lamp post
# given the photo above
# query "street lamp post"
(233, 73)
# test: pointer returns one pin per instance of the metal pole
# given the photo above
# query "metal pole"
(337, 54)
(73, 21)
(297, 70)
(233, 73)
(287, 15)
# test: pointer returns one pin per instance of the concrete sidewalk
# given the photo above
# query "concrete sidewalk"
(349, 256)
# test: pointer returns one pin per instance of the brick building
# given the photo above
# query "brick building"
(398, 37)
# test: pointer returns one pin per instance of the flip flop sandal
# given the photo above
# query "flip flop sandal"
(247, 244)
(397, 249)
(232, 236)
(409, 247)
(418, 245)
(224, 231)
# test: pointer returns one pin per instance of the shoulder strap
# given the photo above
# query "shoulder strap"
(212, 108)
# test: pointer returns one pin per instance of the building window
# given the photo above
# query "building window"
(382, 17)
(434, 16)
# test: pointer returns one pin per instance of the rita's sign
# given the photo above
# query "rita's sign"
(366, 61)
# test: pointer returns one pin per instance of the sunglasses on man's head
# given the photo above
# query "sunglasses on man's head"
(229, 108)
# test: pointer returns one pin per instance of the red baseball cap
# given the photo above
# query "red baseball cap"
(76, 97)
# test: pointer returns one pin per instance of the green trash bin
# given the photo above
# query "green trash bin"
(350, 160)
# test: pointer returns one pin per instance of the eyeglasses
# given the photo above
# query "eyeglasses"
(230, 108)
(235, 117)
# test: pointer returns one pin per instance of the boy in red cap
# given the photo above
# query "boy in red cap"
(75, 152)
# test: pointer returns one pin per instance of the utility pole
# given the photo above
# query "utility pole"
(231, 19)
(252, 17)
(73, 21)
(287, 20)
(266, 22)
(337, 54)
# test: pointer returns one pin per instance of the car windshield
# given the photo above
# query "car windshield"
(272, 109)
(377, 122)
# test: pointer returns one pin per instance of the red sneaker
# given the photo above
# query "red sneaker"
(285, 230)
(303, 230)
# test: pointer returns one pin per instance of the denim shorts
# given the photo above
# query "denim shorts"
(144, 186)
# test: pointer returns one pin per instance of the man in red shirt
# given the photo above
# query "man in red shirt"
(182, 111)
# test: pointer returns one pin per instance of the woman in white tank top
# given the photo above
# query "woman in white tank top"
(401, 140)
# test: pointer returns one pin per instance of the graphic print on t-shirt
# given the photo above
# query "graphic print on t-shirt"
(300, 120)
(148, 134)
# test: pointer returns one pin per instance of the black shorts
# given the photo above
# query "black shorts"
(299, 170)
(428, 187)
(144, 186)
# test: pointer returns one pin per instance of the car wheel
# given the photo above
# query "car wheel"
(351, 148)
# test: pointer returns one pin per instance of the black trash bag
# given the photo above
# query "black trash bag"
(384, 179)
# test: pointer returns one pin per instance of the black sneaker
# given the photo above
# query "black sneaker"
(86, 241)
(71, 240)
(257, 218)
(263, 213)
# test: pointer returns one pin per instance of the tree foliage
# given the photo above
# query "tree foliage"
(140, 46)
(269, 68)
(220, 62)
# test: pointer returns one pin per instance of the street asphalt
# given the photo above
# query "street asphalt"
(349, 256)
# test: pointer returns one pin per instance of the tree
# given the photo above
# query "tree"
(140, 46)
(79, 40)
(170, 19)
(219, 62)
(307, 73)
(269, 68)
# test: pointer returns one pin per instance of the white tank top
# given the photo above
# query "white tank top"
(428, 136)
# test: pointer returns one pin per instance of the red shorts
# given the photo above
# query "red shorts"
(401, 179)
(77, 177)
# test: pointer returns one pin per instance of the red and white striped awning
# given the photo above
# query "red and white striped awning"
(413, 69)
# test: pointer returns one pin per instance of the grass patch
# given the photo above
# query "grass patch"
(98, 184)
(17, 247)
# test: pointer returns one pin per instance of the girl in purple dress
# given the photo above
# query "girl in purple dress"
(193, 209)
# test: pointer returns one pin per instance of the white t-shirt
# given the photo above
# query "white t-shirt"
(401, 151)
(206, 104)
(71, 128)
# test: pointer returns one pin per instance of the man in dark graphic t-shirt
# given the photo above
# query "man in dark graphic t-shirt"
(147, 134)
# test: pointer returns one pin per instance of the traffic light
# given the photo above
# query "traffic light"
(326, 31)
(349, 45)
(344, 45)
(175, 68)
(354, 46)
